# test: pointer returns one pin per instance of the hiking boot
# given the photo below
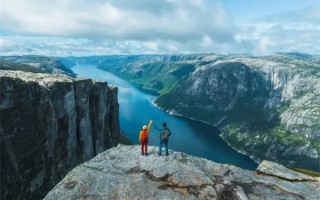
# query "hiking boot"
(159, 154)
(146, 154)
(167, 154)
(142, 153)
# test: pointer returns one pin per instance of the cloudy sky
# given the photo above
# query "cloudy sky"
(101, 27)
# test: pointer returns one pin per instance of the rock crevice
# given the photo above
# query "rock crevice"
(128, 175)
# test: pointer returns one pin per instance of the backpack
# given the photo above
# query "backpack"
(144, 135)
(165, 134)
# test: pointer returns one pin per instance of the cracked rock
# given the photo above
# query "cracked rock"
(122, 173)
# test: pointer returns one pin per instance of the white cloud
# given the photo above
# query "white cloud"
(122, 20)
(264, 45)
(81, 27)
(290, 31)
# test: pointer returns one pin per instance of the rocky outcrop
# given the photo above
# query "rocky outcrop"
(48, 125)
(122, 173)
(37, 64)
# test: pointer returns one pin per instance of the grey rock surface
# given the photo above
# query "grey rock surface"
(48, 125)
(275, 169)
(123, 173)
(37, 64)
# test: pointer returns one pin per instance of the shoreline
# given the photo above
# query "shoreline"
(180, 115)
(172, 113)
(254, 159)
(143, 89)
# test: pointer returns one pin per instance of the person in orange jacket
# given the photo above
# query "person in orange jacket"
(143, 138)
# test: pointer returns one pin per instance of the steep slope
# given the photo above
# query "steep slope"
(48, 125)
(266, 107)
(160, 73)
(122, 173)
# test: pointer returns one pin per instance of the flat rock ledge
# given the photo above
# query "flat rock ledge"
(123, 173)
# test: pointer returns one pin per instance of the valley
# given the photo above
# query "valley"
(189, 136)
(266, 107)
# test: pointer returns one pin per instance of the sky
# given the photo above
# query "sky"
(111, 27)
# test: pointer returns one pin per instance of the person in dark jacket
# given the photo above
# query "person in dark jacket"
(164, 137)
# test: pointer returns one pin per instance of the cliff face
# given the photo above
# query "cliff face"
(48, 125)
(266, 107)
(122, 173)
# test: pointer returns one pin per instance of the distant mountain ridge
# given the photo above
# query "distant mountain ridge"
(266, 107)
(37, 64)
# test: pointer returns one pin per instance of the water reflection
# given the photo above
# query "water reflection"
(189, 136)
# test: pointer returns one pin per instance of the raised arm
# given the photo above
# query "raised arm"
(156, 127)
(150, 123)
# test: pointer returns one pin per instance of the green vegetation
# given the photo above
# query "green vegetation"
(246, 120)
(286, 137)
(257, 143)
(35, 64)
(160, 76)
(305, 64)
(283, 108)
(163, 77)
(10, 65)
(305, 171)
(243, 140)
(316, 145)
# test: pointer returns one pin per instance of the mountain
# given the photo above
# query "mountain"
(50, 123)
(122, 173)
(266, 107)
(37, 64)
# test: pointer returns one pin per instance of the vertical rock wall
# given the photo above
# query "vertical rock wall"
(48, 125)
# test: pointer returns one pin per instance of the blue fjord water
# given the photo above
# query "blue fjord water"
(189, 136)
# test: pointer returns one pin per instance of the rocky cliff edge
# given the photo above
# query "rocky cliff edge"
(48, 125)
(122, 173)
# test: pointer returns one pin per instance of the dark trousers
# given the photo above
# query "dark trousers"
(165, 142)
(144, 146)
